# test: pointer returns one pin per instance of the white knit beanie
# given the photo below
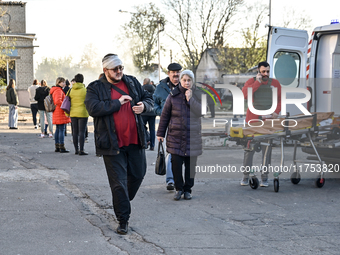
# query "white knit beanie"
(189, 73)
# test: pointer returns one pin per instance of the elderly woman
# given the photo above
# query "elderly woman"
(181, 116)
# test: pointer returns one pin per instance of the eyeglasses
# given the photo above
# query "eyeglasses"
(120, 68)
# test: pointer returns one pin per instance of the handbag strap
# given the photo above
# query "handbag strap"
(123, 93)
(160, 145)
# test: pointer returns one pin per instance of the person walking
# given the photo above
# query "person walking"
(150, 118)
(40, 94)
(13, 101)
(181, 118)
(116, 102)
(78, 114)
(34, 104)
(59, 117)
(160, 95)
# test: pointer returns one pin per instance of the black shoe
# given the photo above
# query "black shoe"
(83, 153)
(187, 195)
(152, 148)
(170, 186)
(122, 228)
(76, 152)
(13, 128)
(178, 194)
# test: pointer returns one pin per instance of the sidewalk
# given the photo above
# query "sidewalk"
(53, 203)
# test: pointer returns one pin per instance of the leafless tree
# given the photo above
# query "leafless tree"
(201, 24)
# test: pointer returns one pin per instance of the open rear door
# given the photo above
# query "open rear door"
(287, 56)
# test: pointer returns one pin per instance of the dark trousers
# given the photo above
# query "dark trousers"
(212, 110)
(151, 122)
(34, 110)
(125, 172)
(78, 132)
(189, 172)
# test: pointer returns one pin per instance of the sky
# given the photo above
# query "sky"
(65, 28)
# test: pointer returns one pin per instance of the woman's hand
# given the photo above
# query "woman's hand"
(188, 94)
(160, 139)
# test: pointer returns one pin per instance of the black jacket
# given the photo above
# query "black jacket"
(101, 107)
(40, 95)
(151, 89)
(182, 121)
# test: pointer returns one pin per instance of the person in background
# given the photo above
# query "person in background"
(42, 92)
(67, 86)
(160, 95)
(150, 117)
(152, 83)
(115, 102)
(34, 104)
(66, 89)
(262, 87)
(78, 114)
(59, 117)
(181, 116)
(13, 101)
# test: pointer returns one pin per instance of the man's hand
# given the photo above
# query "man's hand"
(139, 108)
(188, 94)
(259, 77)
(275, 115)
(124, 99)
(160, 139)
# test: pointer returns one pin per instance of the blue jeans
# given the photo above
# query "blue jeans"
(169, 175)
(49, 121)
(59, 134)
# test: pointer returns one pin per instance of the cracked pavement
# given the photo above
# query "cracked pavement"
(53, 203)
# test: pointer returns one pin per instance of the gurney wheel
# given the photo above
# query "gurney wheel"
(253, 182)
(257, 147)
(276, 185)
(320, 182)
(336, 133)
(295, 178)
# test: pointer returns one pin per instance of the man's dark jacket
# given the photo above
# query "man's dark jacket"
(161, 93)
(101, 107)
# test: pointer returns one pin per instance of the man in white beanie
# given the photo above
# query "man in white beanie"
(116, 102)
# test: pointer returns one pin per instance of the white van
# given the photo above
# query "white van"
(297, 61)
(314, 63)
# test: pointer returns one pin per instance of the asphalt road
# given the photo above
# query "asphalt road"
(53, 203)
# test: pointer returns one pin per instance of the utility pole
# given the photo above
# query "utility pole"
(270, 13)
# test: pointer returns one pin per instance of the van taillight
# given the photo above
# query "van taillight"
(309, 103)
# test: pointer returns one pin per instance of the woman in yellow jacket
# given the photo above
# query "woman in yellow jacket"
(78, 114)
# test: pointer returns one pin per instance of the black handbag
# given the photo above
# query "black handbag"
(160, 167)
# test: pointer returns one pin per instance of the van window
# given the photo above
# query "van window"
(286, 68)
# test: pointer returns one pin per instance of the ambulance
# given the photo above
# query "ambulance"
(312, 63)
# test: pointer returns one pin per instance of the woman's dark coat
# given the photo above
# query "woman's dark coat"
(183, 121)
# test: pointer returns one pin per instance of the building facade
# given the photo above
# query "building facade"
(18, 46)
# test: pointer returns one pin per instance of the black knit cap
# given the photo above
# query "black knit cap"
(174, 67)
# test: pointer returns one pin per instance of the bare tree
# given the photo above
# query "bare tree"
(7, 45)
(142, 31)
(201, 24)
(294, 19)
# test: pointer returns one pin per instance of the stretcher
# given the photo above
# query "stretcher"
(319, 128)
